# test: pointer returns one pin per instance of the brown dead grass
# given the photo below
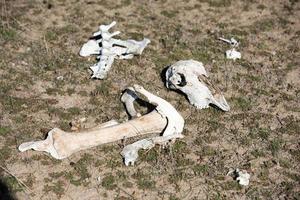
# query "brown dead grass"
(40, 40)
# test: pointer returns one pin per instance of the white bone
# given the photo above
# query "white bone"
(61, 144)
(233, 42)
(243, 177)
(109, 48)
(128, 97)
(175, 120)
(173, 130)
(233, 54)
(190, 77)
(90, 48)
(130, 152)
(104, 28)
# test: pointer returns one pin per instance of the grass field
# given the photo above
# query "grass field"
(40, 41)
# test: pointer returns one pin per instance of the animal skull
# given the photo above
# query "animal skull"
(190, 77)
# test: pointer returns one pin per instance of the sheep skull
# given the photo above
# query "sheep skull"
(190, 77)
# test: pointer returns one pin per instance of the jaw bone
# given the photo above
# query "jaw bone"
(107, 48)
(190, 77)
(173, 130)
(164, 118)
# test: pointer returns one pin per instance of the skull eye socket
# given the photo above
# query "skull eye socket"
(182, 81)
(178, 80)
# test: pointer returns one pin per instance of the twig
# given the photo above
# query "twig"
(123, 190)
(279, 120)
(45, 42)
(21, 183)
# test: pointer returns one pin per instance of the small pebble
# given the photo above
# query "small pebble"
(60, 78)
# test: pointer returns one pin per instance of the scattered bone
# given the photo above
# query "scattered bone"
(173, 130)
(232, 53)
(107, 48)
(242, 176)
(60, 78)
(130, 152)
(128, 97)
(232, 41)
(99, 179)
(190, 77)
(61, 144)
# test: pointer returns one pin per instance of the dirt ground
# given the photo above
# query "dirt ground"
(40, 41)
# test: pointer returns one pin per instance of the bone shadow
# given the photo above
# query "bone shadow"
(163, 74)
(5, 194)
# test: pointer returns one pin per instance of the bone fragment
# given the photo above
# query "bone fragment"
(108, 48)
(241, 176)
(173, 130)
(130, 152)
(233, 42)
(232, 53)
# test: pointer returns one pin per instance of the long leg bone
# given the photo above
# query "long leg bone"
(61, 144)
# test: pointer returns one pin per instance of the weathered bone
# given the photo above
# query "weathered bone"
(61, 144)
(172, 131)
(175, 120)
(232, 53)
(130, 152)
(242, 176)
(190, 77)
(233, 42)
(109, 48)
(128, 97)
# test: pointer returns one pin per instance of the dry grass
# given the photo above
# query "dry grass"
(40, 40)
